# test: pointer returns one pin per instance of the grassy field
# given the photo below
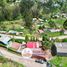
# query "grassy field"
(59, 61)
(53, 34)
(8, 63)
(61, 21)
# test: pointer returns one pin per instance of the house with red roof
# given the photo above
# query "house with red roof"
(32, 44)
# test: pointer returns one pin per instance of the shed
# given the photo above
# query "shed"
(5, 39)
(40, 31)
(54, 30)
(65, 31)
(61, 48)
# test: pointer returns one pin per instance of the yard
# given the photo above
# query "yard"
(8, 63)
(59, 61)
(53, 34)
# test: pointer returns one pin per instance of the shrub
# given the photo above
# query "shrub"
(17, 40)
(53, 50)
(64, 40)
(26, 38)
(58, 40)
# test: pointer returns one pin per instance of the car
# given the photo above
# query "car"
(39, 61)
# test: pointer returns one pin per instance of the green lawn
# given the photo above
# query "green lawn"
(8, 63)
(53, 34)
(59, 21)
(59, 61)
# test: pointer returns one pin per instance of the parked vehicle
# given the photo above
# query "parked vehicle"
(39, 61)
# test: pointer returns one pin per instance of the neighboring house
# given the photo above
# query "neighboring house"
(61, 48)
(37, 20)
(34, 19)
(15, 45)
(5, 39)
(65, 31)
(31, 45)
(40, 31)
(64, 15)
(54, 30)
(13, 32)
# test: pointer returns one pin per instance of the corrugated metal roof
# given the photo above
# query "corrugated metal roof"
(5, 39)
(61, 47)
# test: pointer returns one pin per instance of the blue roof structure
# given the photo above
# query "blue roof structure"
(5, 39)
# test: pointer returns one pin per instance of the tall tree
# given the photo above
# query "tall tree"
(25, 8)
(46, 43)
(2, 3)
(65, 24)
(52, 24)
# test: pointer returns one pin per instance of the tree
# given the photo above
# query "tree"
(11, 12)
(10, 1)
(37, 9)
(1, 15)
(52, 24)
(61, 32)
(26, 38)
(15, 12)
(25, 8)
(2, 3)
(46, 43)
(53, 50)
(65, 24)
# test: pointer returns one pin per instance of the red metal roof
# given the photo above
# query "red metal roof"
(31, 45)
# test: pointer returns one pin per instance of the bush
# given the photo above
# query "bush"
(17, 40)
(64, 40)
(9, 12)
(52, 24)
(2, 18)
(53, 50)
(2, 45)
(27, 38)
(33, 38)
(58, 40)
(2, 60)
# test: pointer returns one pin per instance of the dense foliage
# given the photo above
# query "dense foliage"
(11, 9)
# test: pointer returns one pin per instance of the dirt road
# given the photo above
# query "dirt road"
(25, 62)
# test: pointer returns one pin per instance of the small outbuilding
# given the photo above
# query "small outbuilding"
(5, 39)
(65, 31)
(61, 48)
